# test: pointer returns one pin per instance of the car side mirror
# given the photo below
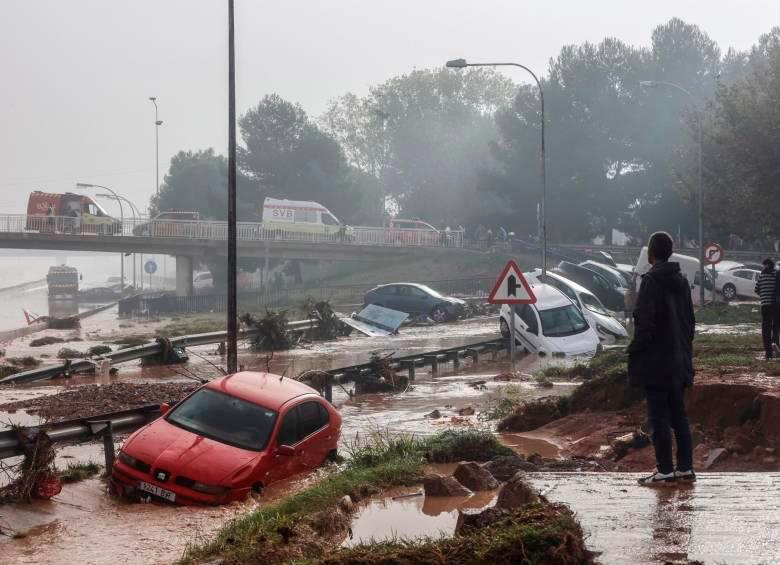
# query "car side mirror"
(285, 450)
(164, 408)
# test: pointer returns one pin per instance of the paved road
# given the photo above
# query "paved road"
(729, 518)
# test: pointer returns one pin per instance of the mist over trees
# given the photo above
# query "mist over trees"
(461, 148)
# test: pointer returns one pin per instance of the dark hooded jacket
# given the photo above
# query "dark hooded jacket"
(661, 353)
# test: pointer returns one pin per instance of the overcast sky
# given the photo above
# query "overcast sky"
(76, 75)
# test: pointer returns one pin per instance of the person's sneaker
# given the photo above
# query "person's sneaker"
(685, 476)
(658, 479)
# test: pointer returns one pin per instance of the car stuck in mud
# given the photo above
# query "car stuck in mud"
(234, 434)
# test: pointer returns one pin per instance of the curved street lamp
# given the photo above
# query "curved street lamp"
(157, 124)
(136, 215)
(460, 64)
(692, 98)
(83, 185)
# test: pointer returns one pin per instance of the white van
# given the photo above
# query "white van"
(689, 266)
(299, 216)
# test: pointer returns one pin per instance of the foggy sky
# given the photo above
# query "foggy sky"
(75, 75)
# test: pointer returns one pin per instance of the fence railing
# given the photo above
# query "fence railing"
(341, 295)
(217, 230)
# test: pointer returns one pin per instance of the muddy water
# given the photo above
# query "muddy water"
(84, 524)
(731, 518)
(408, 514)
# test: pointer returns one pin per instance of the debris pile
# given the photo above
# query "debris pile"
(34, 477)
(272, 331)
(329, 325)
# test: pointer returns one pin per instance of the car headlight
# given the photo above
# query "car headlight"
(127, 459)
(209, 489)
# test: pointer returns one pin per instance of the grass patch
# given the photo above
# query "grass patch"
(507, 399)
(724, 313)
(189, 326)
(466, 445)
(379, 462)
(539, 533)
(75, 472)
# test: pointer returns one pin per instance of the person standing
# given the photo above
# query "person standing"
(660, 359)
(766, 289)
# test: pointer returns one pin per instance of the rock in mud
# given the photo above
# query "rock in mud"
(715, 455)
(467, 411)
(442, 485)
(479, 520)
(435, 414)
(738, 440)
(516, 493)
(475, 477)
(45, 340)
(505, 467)
(345, 504)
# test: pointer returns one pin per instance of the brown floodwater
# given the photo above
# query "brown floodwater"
(409, 514)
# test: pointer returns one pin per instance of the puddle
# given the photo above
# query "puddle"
(527, 444)
(727, 329)
(408, 514)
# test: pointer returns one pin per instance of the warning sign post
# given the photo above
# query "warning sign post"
(511, 288)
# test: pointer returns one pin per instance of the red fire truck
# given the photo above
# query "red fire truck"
(49, 212)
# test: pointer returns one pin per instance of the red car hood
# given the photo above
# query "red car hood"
(183, 453)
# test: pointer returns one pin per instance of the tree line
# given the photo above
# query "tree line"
(461, 148)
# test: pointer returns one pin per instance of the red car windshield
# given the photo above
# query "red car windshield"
(226, 419)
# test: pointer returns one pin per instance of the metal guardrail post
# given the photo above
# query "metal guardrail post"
(104, 426)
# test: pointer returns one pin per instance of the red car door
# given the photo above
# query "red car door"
(316, 433)
(287, 434)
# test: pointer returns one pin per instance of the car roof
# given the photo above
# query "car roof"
(416, 285)
(548, 297)
(576, 287)
(265, 389)
(608, 268)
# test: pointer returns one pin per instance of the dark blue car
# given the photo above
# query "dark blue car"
(416, 299)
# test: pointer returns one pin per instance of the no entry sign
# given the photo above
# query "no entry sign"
(713, 253)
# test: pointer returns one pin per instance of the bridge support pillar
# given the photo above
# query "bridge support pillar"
(183, 275)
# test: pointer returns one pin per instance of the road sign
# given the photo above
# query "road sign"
(713, 253)
(150, 267)
(511, 287)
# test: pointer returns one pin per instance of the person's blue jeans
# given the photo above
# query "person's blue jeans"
(666, 412)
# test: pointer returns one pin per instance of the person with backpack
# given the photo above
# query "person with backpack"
(766, 289)
(660, 360)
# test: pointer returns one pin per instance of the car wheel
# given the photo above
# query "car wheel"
(504, 328)
(729, 291)
(439, 314)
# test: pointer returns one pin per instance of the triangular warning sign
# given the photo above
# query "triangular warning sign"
(511, 287)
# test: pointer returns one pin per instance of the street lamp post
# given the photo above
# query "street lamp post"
(654, 84)
(232, 296)
(460, 64)
(136, 215)
(121, 230)
(157, 124)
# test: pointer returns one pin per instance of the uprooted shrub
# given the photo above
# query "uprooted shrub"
(329, 326)
(98, 350)
(46, 340)
(271, 329)
(37, 464)
(381, 376)
(68, 353)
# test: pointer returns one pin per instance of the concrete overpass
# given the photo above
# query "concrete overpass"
(188, 240)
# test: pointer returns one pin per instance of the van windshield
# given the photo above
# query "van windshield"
(563, 321)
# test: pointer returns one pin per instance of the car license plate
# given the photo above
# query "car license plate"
(157, 491)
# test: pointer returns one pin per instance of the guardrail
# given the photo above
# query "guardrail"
(128, 420)
(217, 230)
(141, 351)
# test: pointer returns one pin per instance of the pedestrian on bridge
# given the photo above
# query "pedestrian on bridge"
(660, 359)
(767, 289)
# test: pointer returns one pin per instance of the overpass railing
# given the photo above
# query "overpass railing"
(217, 230)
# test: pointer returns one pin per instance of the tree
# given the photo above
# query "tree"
(290, 157)
(423, 136)
(741, 154)
(197, 181)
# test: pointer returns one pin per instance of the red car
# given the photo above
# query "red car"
(233, 434)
